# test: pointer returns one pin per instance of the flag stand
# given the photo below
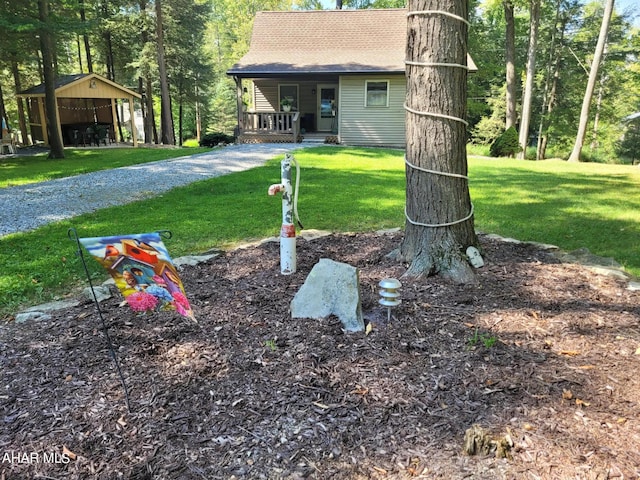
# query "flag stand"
(73, 235)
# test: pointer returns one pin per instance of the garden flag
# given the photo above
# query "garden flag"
(143, 271)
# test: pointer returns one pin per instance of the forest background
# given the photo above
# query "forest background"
(176, 52)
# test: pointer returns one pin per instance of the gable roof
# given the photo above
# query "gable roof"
(326, 41)
(64, 82)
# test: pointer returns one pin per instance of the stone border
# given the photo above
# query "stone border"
(599, 265)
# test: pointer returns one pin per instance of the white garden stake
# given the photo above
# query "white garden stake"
(289, 209)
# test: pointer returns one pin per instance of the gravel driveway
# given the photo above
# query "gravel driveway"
(28, 207)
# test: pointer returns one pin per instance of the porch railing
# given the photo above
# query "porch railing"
(272, 123)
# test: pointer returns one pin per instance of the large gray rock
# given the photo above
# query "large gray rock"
(332, 288)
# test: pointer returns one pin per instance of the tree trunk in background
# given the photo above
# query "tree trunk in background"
(596, 119)
(87, 47)
(166, 118)
(551, 83)
(510, 59)
(150, 120)
(22, 121)
(591, 83)
(437, 144)
(46, 47)
(527, 97)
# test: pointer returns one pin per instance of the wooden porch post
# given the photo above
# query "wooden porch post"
(132, 116)
(114, 118)
(239, 101)
(43, 121)
(59, 127)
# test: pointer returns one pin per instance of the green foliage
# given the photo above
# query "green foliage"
(223, 106)
(215, 139)
(629, 146)
(486, 340)
(506, 145)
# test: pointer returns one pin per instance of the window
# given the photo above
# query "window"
(288, 94)
(377, 93)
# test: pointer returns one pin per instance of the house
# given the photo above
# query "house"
(342, 72)
(86, 106)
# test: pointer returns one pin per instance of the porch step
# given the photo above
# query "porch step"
(314, 139)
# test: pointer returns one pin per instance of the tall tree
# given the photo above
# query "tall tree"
(439, 224)
(47, 48)
(527, 96)
(85, 36)
(166, 116)
(591, 83)
(510, 61)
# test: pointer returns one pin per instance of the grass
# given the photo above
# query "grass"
(342, 189)
(38, 168)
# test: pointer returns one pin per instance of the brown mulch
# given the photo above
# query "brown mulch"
(541, 356)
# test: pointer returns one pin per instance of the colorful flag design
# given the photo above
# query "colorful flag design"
(143, 271)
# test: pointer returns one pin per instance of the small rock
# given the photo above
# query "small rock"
(633, 286)
(53, 306)
(313, 234)
(101, 292)
(192, 260)
(33, 315)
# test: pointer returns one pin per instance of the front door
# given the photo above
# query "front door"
(328, 108)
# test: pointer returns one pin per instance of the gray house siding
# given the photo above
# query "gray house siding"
(369, 125)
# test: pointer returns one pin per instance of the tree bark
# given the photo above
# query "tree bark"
(437, 143)
(551, 82)
(46, 47)
(527, 97)
(87, 46)
(22, 121)
(166, 117)
(510, 60)
(591, 83)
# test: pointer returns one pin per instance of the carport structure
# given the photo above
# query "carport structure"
(86, 105)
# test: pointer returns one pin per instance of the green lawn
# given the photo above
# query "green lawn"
(342, 189)
(37, 168)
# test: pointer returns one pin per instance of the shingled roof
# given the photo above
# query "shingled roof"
(325, 41)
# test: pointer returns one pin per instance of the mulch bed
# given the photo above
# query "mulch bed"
(541, 356)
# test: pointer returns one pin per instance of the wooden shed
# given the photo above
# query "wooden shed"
(86, 109)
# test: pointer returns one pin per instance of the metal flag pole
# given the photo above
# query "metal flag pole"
(73, 235)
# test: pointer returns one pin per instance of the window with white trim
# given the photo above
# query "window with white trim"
(376, 93)
(288, 95)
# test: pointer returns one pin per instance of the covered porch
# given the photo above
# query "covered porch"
(286, 109)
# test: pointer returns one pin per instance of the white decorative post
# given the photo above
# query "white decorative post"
(288, 230)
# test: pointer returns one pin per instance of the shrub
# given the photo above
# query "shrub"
(506, 145)
(214, 139)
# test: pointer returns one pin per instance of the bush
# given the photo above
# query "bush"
(506, 145)
(215, 139)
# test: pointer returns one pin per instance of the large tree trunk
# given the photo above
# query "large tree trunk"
(527, 97)
(591, 83)
(510, 60)
(439, 222)
(46, 47)
(166, 118)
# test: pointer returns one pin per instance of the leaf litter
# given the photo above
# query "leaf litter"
(549, 388)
